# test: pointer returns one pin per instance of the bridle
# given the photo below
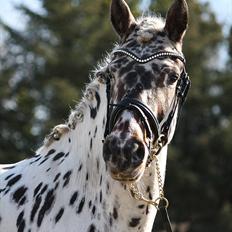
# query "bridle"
(157, 133)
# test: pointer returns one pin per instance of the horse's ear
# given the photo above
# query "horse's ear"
(121, 17)
(177, 20)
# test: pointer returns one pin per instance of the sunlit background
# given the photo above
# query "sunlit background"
(47, 51)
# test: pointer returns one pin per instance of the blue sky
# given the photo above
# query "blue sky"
(222, 8)
(8, 13)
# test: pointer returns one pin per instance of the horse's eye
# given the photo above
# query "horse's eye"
(173, 78)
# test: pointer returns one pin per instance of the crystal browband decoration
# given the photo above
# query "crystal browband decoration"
(152, 57)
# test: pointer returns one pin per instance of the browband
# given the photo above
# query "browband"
(152, 57)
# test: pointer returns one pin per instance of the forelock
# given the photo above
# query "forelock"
(148, 26)
(155, 23)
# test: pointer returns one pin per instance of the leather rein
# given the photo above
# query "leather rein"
(157, 132)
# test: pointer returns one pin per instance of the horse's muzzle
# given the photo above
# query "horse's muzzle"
(125, 159)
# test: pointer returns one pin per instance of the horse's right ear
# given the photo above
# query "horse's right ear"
(121, 17)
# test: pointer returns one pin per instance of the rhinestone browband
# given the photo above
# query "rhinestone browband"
(152, 57)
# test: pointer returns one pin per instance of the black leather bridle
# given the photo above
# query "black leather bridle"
(155, 131)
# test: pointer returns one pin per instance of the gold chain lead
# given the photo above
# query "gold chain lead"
(136, 194)
(160, 182)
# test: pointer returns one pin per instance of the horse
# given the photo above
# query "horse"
(104, 169)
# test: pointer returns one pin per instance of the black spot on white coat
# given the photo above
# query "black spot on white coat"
(20, 222)
(58, 156)
(43, 189)
(56, 177)
(10, 167)
(49, 200)
(19, 195)
(94, 210)
(115, 213)
(73, 198)
(90, 204)
(59, 215)
(81, 205)
(43, 161)
(14, 180)
(35, 207)
(134, 222)
(52, 151)
(9, 176)
(66, 177)
(36, 160)
(80, 167)
(92, 228)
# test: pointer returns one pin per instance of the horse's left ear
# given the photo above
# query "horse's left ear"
(177, 20)
(121, 17)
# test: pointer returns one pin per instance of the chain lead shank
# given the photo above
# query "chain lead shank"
(136, 194)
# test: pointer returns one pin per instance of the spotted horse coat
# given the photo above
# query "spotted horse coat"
(73, 183)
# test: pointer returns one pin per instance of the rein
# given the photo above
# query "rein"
(157, 133)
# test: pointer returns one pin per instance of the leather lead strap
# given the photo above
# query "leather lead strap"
(163, 211)
(165, 219)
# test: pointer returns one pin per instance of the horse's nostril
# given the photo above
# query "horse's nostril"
(141, 151)
(123, 155)
(134, 147)
(135, 151)
(137, 157)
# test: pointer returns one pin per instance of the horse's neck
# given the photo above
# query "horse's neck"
(107, 203)
(67, 185)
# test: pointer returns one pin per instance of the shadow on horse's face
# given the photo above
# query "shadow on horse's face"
(150, 81)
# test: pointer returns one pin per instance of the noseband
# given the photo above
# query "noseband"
(156, 132)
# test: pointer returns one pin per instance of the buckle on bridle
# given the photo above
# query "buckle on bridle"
(155, 149)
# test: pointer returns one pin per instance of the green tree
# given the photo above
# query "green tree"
(44, 66)
(199, 170)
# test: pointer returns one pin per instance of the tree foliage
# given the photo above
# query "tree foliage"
(44, 66)
(199, 170)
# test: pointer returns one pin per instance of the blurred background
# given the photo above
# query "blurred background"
(47, 51)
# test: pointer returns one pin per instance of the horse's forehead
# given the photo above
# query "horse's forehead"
(152, 74)
(147, 37)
